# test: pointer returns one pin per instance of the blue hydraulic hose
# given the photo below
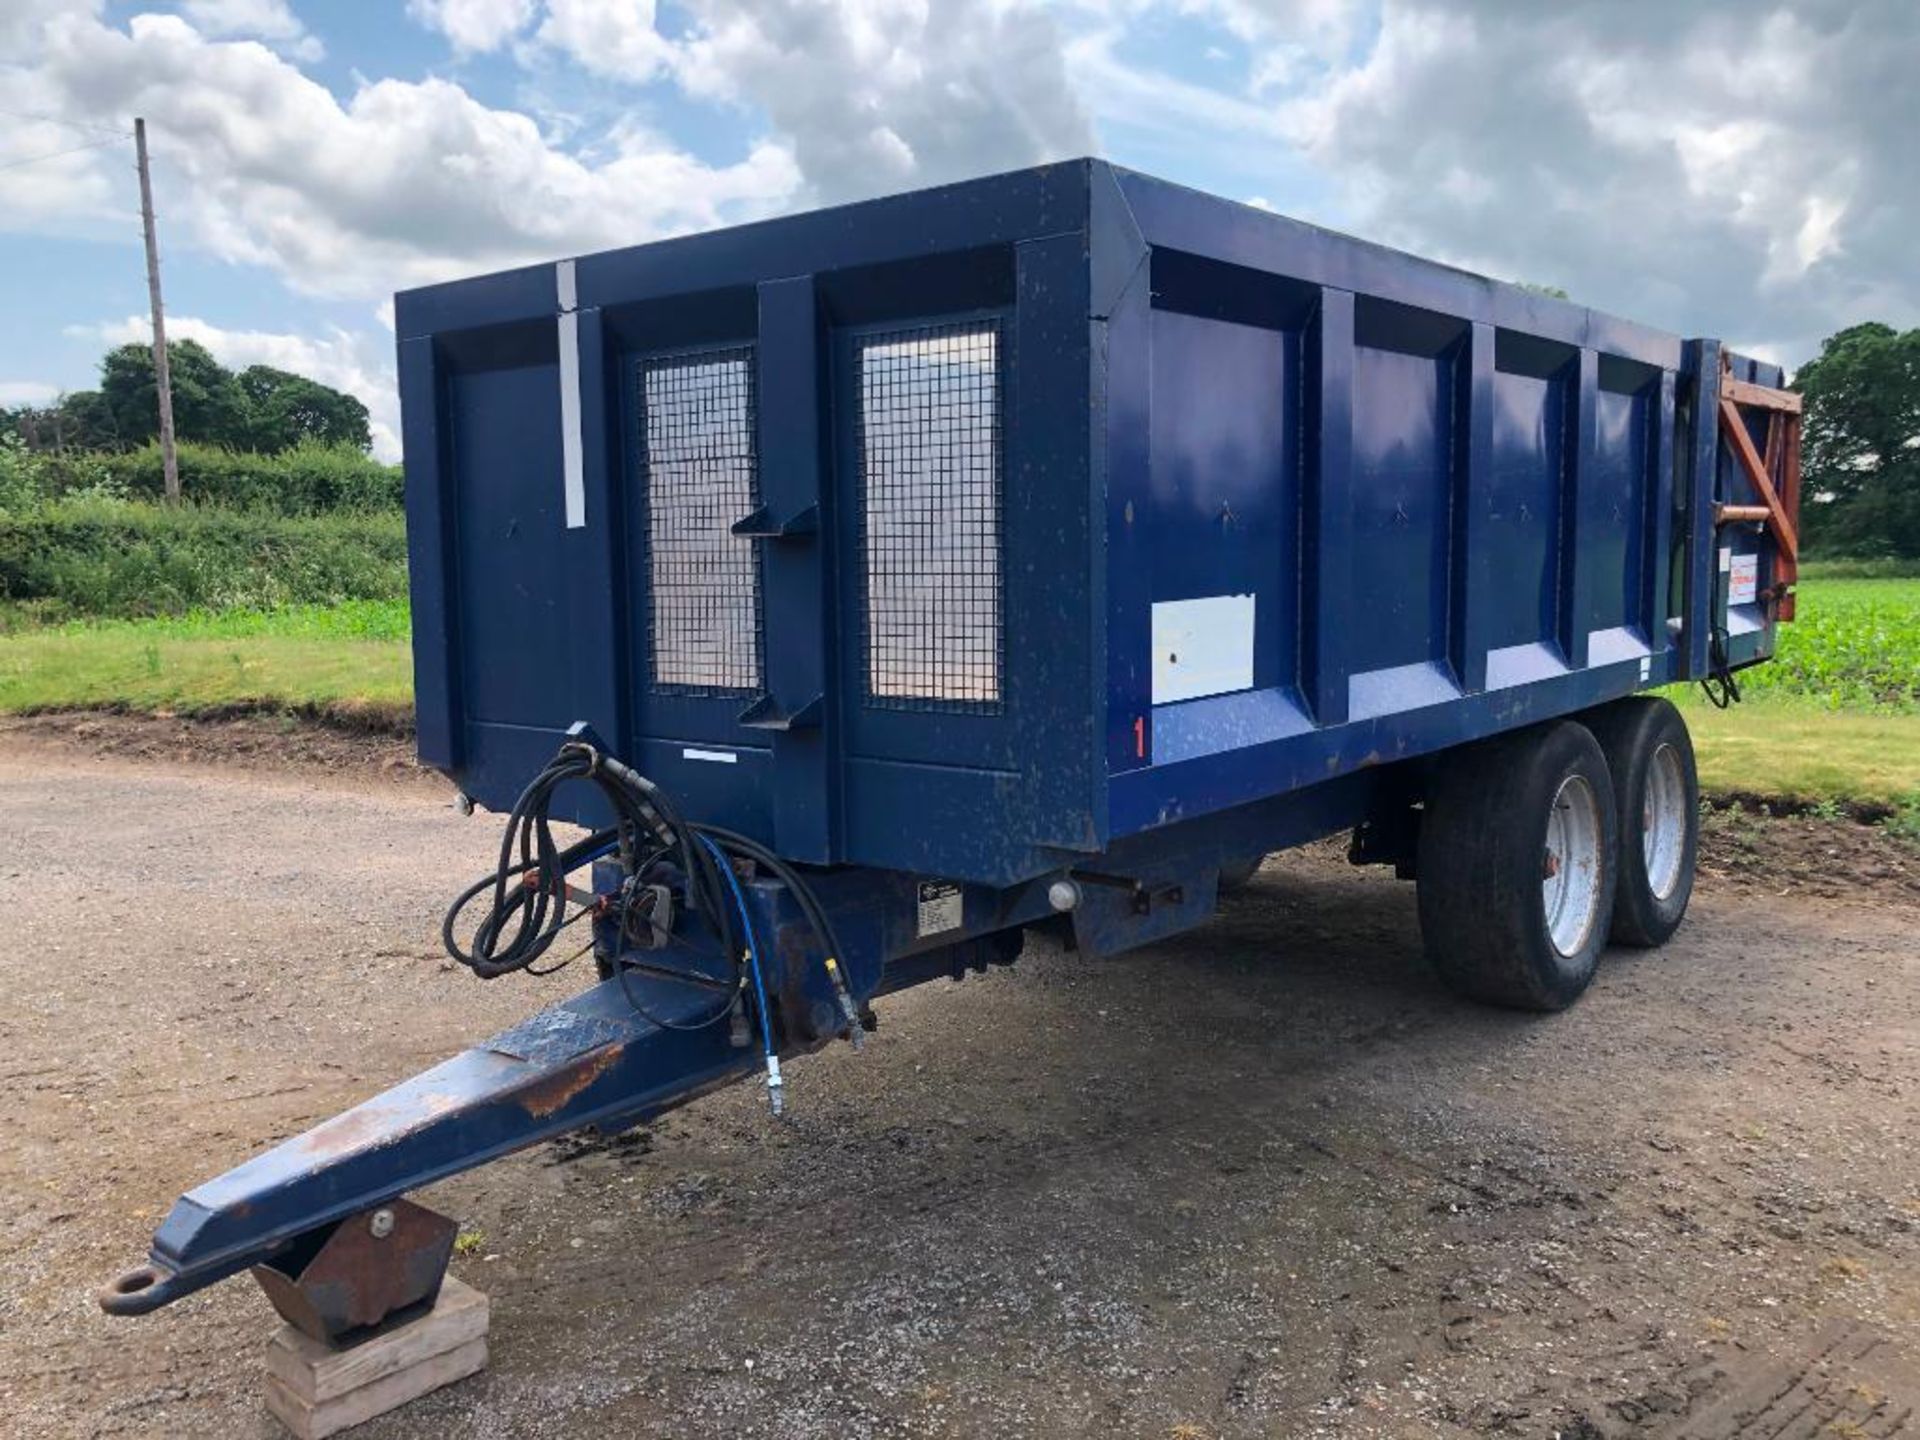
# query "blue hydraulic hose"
(774, 1082)
(600, 854)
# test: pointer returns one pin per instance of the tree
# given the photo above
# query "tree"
(1860, 441)
(207, 401)
(261, 408)
(78, 420)
(286, 409)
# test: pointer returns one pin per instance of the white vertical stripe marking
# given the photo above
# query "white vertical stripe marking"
(563, 286)
(570, 459)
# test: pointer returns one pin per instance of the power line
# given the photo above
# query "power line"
(56, 154)
(41, 117)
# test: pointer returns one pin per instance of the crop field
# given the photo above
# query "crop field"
(1854, 645)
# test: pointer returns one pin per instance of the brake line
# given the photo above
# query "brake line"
(774, 1083)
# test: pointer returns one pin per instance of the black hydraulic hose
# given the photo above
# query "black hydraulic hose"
(1721, 688)
(753, 850)
(529, 884)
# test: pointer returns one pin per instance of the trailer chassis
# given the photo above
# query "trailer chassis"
(314, 1217)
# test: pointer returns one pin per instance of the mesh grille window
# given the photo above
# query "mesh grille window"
(700, 475)
(930, 459)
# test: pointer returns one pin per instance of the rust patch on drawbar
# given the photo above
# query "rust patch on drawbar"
(372, 1124)
(345, 1133)
(544, 1097)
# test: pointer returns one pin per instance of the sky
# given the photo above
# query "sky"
(1736, 169)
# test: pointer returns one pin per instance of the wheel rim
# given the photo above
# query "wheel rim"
(1663, 820)
(1570, 885)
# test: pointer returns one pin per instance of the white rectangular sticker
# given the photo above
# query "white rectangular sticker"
(718, 757)
(1202, 647)
(1743, 580)
(939, 907)
(573, 476)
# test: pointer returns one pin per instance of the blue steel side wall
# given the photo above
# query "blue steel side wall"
(1454, 501)
(524, 623)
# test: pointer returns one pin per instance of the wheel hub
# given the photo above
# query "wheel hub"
(1570, 878)
(1663, 834)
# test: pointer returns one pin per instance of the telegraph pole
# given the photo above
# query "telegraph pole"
(169, 461)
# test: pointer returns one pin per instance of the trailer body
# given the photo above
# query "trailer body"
(1027, 551)
(1253, 506)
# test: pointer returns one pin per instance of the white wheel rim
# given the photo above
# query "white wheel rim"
(1570, 882)
(1663, 820)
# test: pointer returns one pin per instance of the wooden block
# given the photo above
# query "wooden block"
(315, 1390)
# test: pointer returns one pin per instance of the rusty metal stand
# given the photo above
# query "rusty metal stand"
(372, 1320)
(352, 1276)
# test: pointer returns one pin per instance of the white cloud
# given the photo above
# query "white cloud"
(616, 39)
(15, 393)
(1711, 168)
(402, 183)
(269, 20)
(359, 364)
(1284, 41)
(1178, 110)
(870, 95)
(474, 25)
(878, 95)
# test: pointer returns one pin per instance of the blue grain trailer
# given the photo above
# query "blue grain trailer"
(879, 584)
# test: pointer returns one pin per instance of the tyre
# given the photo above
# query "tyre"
(1517, 867)
(1658, 790)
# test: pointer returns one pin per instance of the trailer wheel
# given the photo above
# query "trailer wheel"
(1651, 756)
(1517, 867)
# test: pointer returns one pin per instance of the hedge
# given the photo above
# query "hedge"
(102, 557)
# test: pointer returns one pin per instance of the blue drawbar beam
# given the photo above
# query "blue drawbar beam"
(594, 1060)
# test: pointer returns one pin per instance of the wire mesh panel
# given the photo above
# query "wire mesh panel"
(930, 458)
(700, 474)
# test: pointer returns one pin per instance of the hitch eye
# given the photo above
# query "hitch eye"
(134, 1281)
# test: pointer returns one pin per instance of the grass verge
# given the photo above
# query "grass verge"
(315, 659)
(1804, 752)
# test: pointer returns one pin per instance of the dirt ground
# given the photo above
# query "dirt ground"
(1265, 1180)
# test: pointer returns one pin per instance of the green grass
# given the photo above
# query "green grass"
(1835, 716)
(349, 620)
(1795, 750)
(352, 656)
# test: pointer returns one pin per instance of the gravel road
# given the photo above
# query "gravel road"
(1265, 1180)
